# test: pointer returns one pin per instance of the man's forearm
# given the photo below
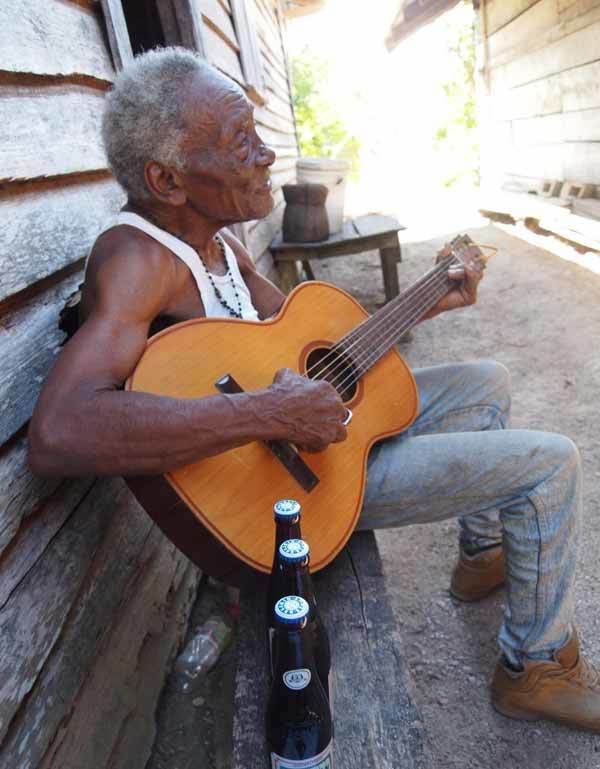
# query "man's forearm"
(124, 433)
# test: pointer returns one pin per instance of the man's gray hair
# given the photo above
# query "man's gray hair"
(144, 115)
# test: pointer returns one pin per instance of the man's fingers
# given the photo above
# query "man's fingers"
(456, 272)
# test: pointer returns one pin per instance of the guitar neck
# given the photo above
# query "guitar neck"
(370, 341)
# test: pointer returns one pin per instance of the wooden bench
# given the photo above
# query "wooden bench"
(365, 233)
(377, 725)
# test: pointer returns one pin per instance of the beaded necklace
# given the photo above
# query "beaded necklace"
(219, 241)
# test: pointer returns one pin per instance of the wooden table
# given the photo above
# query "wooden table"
(364, 233)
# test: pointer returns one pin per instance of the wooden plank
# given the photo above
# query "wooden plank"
(138, 732)
(219, 53)
(118, 36)
(376, 224)
(245, 24)
(368, 668)
(33, 538)
(213, 11)
(580, 87)
(191, 27)
(264, 116)
(33, 139)
(271, 62)
(112, 723)
(21, 493)
(579, 161)
(523, 34)
(271, 50)
(579, 47)
(554, 129)
(277, 139)
(35, 614)
(569, 91)
(499, 13)
(587, 207)
(53, 38)
(48, 228)
(61, 615)
(571, 9)
(29, 342)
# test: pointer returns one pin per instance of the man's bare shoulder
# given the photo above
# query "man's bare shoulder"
(128, 271)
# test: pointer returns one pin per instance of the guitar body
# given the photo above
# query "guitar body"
(219, 510)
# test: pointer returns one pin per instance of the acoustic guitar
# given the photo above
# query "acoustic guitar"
(218, 510)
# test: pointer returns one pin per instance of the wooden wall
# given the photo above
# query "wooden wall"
(94, 600)
(543, 74)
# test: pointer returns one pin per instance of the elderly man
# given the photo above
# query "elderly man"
(182, 142)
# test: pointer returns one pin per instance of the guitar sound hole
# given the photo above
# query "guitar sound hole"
(336, 368)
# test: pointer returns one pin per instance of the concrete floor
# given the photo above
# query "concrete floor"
(540, 316)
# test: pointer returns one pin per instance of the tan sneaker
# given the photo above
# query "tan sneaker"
(476, 576)
(565, 689)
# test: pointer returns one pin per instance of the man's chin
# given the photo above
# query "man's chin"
(263, 205)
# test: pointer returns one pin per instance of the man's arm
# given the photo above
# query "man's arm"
(85, 424)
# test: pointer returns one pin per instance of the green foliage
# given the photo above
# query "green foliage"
(321, 130)
(457, 137)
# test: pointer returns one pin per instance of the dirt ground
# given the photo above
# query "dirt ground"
(540, 316)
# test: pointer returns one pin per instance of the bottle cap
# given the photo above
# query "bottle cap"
(286, 508)
(293, 550)
(291, 609)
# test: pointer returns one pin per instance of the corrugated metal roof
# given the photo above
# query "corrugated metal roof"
(414, 14)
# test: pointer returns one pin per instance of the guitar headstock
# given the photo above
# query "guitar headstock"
(464, 251)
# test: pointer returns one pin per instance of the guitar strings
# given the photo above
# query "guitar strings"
(381, 325)
(348, 377)
(398, 330)
(382, 328)
(351, 379)
(356, 336)
(425, 281)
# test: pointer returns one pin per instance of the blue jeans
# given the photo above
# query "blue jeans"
(518, 487)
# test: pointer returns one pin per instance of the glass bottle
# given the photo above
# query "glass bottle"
(298, 722)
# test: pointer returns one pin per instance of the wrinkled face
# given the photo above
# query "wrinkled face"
(227, 165)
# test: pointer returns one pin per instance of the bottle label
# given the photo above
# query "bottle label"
(323, 761)
(297, 679)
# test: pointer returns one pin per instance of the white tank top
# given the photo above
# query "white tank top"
(212, 306)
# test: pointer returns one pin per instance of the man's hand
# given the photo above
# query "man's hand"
(310, 413)
(467, 277)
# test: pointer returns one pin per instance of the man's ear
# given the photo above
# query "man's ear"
(164, 184)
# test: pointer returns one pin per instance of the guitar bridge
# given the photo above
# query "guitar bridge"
(285, 451)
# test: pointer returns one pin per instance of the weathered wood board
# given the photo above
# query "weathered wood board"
(21, 493)
(29, 342)
(46, 228)
(53, 38)
(33, 141)
(61, 616)
(377, 724)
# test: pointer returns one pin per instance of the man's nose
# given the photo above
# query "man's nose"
(266, 156)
